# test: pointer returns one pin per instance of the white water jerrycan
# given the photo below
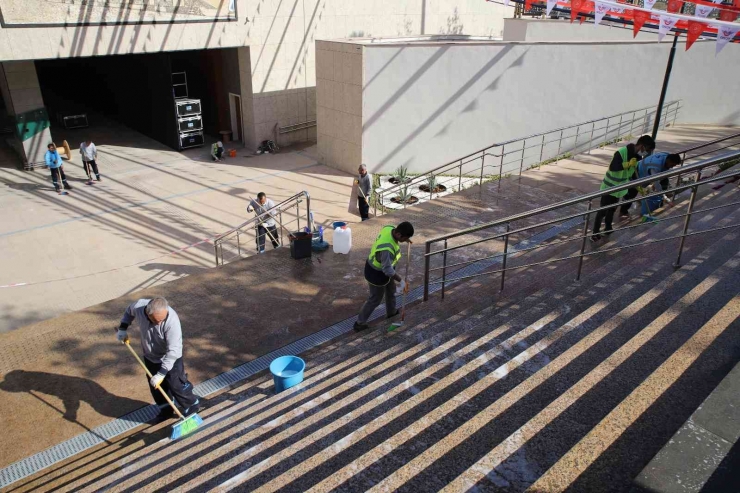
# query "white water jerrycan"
(342, 240)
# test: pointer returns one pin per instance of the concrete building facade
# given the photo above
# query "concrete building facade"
(271, 72)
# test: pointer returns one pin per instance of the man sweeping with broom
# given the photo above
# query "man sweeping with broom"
(380, 272)
(161, 341)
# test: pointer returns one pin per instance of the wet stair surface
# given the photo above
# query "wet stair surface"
(551, 385)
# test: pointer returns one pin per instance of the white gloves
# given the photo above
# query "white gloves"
(156, 380)
(122, 335)
(403, 287)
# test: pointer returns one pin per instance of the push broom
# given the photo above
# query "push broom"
(186, 425)
(399, 324)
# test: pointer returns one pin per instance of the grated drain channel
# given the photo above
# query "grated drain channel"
(33, 464)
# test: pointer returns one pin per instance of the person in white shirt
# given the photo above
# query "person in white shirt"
(265, 209)
(89, 153)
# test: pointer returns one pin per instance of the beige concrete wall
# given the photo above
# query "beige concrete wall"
(339, 104)
(281, 37)
(428, 104)
(24, 94)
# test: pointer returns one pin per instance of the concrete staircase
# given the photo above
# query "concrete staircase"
(550, 385)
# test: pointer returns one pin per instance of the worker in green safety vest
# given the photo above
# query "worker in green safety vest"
(380, 272)
(621, 170)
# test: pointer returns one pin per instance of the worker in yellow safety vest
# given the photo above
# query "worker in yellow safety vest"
(621, 170)
(380, 272)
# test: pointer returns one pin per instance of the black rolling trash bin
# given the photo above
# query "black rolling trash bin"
(300, 244)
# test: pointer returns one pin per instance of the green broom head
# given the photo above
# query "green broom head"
(394, 326)
(186, 426)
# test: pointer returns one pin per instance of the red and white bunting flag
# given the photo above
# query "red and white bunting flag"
(666, 24)
(550, 5)
(703, 10)
(727, 15)
(575, 9)
(506, 2)
(600, 11)
(649, 4)
(640, 18)
(725, 34)
(674, 6)
(695, 30)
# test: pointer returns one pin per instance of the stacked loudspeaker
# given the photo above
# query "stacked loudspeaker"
(188, 111)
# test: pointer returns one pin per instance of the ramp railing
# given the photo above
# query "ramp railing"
(722, 164)
(531, 152)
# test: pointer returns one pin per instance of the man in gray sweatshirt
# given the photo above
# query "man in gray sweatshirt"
(364, 184)
(161, 341)
(265, 209)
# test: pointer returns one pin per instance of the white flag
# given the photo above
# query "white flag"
(599, 12)
(618, 10)
(649, 4)
(725, 34)
(506, 3)
(550, 5)
(232, 6)
(703, 10)
(666, 24)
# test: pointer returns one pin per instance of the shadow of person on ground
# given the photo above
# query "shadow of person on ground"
(71, 391)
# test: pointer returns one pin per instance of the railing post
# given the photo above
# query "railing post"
(560, 143)
(215, 251)
(427, 249)
(645, 121)
(619, 127)
(521, 159)
(482, 165)
(282, 240)
(444, 270)
(501, 167)
(298, 215)
(675, 113)
(591, 139)
(575, 145)
(583, 241)
(677, 264)
(459, 179)
(238, 245)
(506, 251)
(542, 147)
(632, 124)
(606, 133)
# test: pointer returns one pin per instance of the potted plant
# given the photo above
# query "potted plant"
(432, 186)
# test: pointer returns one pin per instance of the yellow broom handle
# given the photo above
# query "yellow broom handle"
(149, 374)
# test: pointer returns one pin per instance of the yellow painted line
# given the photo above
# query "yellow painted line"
(464, 432)
(586, 451)
(514, 442)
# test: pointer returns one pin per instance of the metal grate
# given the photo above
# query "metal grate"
(33, 464)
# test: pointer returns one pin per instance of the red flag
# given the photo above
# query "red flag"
(674, 6)
(640, 18)
(727, 15)
(527, 5)
(693, 33)
(575, 9)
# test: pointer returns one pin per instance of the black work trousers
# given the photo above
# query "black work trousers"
(91, 167)
(364, 208)
(262, 232)
(607, 215)
(175, 383)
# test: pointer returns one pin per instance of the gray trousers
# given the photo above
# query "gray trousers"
(376, 297)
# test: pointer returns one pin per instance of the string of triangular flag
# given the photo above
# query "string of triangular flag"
(695, 26)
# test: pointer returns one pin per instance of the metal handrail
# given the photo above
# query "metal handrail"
(614, 129)
(295, 199)
(588, 198)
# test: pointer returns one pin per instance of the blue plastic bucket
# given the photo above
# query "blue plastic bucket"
(287, 371)
(338, 224)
